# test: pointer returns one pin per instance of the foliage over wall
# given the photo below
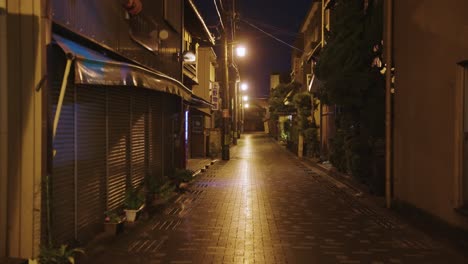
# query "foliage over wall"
(349, 67)
(276, 100)
(306, 124)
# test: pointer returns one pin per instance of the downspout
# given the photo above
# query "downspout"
(48, 194)
(323, 23)
(63, 89)
(388, 100)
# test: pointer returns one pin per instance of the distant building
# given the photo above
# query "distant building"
(274, 80)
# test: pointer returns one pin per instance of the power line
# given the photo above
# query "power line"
(270, 35)
(276, 29)
(219, 14)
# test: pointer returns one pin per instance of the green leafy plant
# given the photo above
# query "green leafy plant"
(286, 131)
(277, 97)
(353, 81)
(165, 190)
(159, 185)
(113, 217)
(153, 183)
(183, 175)
(134, 199)
(312, 142)
(60, 255)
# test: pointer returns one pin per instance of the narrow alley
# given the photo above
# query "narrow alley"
(266, 206)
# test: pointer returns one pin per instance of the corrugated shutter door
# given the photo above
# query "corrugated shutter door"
(155, 132)
(91, 160)
(118, 161)
(170, 121)
(63, 185)
(167, 137)
(138, 136)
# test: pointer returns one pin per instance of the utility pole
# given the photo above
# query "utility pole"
(388, 28)
(226, 132)
(233, 83)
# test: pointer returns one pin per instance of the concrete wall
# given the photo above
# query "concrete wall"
(23, 125)
(429, 40)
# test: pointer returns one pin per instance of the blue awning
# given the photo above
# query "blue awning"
(94, 68)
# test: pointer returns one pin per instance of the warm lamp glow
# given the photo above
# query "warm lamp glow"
(245, 98)
(244, 87)
(247, 105)
(241, 51)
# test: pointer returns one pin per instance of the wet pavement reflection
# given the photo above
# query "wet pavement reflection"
(266, 206)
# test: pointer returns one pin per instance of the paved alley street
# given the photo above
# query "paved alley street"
(266, 206)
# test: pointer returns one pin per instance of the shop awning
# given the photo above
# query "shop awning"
(94, 68)
(200, 102)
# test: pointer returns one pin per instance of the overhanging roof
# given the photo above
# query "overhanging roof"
(196, 24)
(94, 68)
(200, 102)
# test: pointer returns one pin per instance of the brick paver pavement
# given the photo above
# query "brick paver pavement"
(266, 206)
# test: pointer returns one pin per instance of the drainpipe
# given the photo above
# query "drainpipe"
(63, 89)
(388, 100)
(323, 23)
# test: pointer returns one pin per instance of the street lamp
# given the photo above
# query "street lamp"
(244, 87)
(245, 98)
(241, 51)
(247, 105)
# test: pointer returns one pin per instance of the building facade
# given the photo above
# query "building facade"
(202, 124)
(118, 104)
(430, 108)
(94, 104)
(24, 36)
(199, 75)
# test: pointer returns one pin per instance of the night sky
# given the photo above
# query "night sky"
(265, 55)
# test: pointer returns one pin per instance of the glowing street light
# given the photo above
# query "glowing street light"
(244, 87)
(241, 51)
(246, 105)
(245, 98)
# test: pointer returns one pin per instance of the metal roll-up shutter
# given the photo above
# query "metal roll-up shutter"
(63, 170)
(91, 160)
(118, 142)
(171, 120)
(155, 132)
(139, 117)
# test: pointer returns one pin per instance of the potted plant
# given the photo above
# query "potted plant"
(133, 203)
(58, 255)
(113, 223)
(181, 177)
(157, 189)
